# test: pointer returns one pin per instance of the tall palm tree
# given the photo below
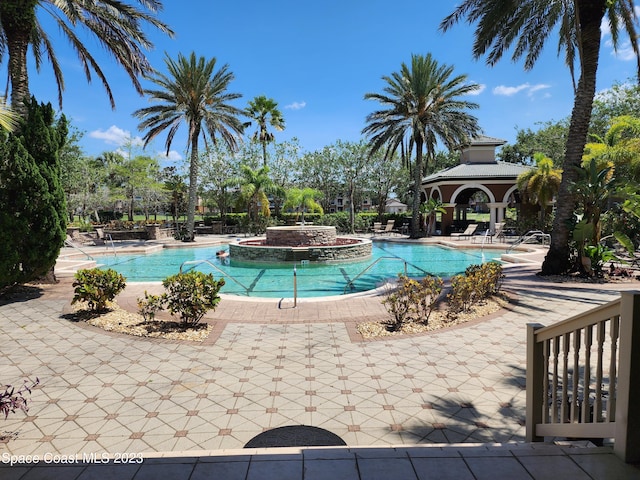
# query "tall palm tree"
(538, 186)
(527, 25)
(265, 111)
(423, 106)
(117, 25)
(196, 94)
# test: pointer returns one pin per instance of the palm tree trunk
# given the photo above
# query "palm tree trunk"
(20, 15)
(264, 154)
(417, 185)
(193, 183)
(590, 16)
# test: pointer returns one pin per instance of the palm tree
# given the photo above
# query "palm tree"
(593, 188)
(119, 27)
(255, 185)
(303, 199)
(8, 117)
(527, 25)
(423, 107)
(538, 186)
(196, 94)
(430, 209)
(620, 147)
(265, 110)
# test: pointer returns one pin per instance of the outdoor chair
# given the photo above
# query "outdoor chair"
(388, 229)
(377, 227)
(469, 232)
(99, 240)
(488, 237)
(499, 232)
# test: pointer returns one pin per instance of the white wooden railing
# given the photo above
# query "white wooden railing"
(583, 377)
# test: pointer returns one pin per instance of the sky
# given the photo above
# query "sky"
(317, 60)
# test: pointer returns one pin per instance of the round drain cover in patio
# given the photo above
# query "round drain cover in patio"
(295, 436)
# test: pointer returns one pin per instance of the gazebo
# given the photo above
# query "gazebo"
(478, 170)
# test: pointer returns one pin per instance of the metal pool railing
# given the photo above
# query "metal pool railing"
(379, 259)
(198, 262)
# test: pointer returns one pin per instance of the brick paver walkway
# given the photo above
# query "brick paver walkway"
(271, 366)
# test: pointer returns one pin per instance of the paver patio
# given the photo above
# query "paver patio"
(269, 365)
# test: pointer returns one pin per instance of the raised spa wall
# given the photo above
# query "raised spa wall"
(260, 253)
(303, 236)
(315, 243)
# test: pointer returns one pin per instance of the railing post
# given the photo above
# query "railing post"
(295, 287)
(627, 439)
(534, 385)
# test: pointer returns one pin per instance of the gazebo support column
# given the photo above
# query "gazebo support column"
(497, 212)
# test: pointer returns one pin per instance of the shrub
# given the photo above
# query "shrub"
(599, 255)
(463, 293)
(478, 283)
(97, 287)
(487, 277)
(12, 400)
(191, 295)
(150, 305)
(398, 302)
(427, 297)
(412, 300)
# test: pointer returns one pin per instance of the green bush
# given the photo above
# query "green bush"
(97, 287)
(190, 295)
(599, 255)
(340, 220)
(413, 300)
(478, 283)
(463, 294)
(150, 305)
(487, 277)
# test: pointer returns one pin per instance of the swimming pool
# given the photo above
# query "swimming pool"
(313, 279)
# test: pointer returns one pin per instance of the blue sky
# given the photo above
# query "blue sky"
(317, 60)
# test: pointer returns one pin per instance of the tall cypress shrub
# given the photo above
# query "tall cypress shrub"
(32, 203)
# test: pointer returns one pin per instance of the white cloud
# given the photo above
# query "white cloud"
(507, 91)
(296, 106)
(481, 88)
(537, 88)
(173, 155)
(625, 50)
(116, 136)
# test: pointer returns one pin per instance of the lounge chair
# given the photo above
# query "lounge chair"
(471, 229)
(498, 232)
(377, 227)
(488, 237)
(388, 228)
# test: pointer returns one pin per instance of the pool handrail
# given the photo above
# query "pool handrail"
(537, 234)
(69, 243)
(198, 262)
(351, 282)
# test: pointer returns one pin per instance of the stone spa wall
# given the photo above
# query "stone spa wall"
(361, 248)
(301, 236)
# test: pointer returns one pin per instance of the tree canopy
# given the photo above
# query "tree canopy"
(119, 27)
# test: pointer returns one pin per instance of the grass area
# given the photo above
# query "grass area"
(478, 217)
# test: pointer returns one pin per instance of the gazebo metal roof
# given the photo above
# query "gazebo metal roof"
(475, 171)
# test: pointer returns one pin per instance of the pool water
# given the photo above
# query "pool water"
(312, 279)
